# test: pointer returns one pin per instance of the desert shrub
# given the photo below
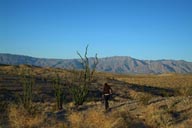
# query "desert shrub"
(20, 118)
(3, 111)
(144, 98)
(27, 81)
(91, 119)
(3, 106)
(79, 94)
(80, 89)
(95, 118)
(125, 119)
(184, 90)
(58, 92)
(158, 118)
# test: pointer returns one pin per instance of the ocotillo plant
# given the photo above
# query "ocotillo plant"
(58, 92)
(80, 91)
(27, 81)
(87, 71)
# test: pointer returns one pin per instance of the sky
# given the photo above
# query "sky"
(142, 29)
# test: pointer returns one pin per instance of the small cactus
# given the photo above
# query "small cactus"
(58, 92)
(27, 81)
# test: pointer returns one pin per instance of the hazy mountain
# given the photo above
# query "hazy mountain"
(109, 64)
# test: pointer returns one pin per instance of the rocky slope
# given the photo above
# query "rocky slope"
(117, 64)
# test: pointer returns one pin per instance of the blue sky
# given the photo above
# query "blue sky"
(143, 29)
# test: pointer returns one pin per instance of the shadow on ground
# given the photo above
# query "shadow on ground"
(164, 92)
(157, 91)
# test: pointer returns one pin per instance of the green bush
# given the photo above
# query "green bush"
(58, 92)
(82, 79)
(79, 94)
(27, 81)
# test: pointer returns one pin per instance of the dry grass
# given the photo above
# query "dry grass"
(98, 119)
(157, 117)
(91, 119)
(20, 118)
(173, 112)
(143, 109)
(171, 80)
(180, 83)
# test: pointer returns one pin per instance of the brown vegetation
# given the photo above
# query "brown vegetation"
(146, 101)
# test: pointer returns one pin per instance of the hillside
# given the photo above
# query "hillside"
(116, 64)
(138, 101)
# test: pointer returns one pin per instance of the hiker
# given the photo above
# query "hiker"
(107, 91)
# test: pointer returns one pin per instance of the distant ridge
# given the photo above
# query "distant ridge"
(116, 64)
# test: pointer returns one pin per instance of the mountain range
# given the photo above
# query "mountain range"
(116, 64)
